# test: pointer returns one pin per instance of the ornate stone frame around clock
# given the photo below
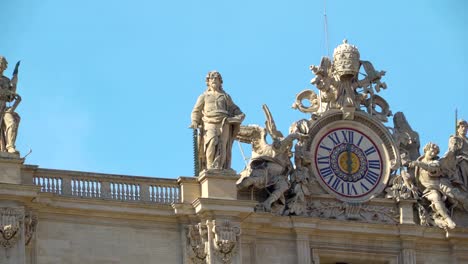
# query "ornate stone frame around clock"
(374, 129)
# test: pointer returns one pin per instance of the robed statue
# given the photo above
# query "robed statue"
(9, 100)
(217, 119)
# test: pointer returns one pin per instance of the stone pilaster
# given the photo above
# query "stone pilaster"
(302, 246)
(408, 252)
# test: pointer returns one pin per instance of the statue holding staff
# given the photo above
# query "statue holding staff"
(217, 119)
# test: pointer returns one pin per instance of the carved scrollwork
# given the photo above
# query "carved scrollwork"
(226, 236)
(313, 102)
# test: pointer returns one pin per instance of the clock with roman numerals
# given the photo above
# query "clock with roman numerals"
(350, 160)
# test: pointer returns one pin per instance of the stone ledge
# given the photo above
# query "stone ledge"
(222, 205)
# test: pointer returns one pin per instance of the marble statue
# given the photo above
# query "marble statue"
(9, 118)
(270, 165)
(436, 186)
(218, 119)
(457, 155)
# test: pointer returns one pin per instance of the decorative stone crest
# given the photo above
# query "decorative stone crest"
(10, 226)
(340, 88)
(226, 237)
(197, 238)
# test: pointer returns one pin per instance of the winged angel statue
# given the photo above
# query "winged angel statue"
(270, 165)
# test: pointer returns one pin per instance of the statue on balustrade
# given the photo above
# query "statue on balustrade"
(9, 101)
(217, 119)
(270, 165)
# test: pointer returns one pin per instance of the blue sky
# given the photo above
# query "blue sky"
(108, 86)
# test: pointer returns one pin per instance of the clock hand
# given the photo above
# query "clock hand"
(349, 160)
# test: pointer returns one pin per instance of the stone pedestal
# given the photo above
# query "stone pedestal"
(220, 184)
(10, 168)
(189, 189)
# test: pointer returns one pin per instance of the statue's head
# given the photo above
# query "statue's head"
(462, 127)
(346, 60)
(431, 150)
(3, 63)
(214, 80)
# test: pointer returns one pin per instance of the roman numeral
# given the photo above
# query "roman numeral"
(326, 148)
(350, 190)
(374, 164)
(323, 160)
(371, 177)
(348, 136)
(325, 172)
(364, 186)
(336, 183)
(334, 138)
(370, 151)
(359, 141)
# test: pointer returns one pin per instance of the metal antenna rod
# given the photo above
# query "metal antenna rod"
(326, 27)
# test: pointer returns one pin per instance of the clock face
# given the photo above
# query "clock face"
(348, 163)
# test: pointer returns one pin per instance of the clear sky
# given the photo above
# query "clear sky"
(108, 86)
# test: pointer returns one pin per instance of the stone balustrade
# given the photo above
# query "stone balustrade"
(107, 186)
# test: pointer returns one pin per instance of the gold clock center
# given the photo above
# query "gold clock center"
(348, 162)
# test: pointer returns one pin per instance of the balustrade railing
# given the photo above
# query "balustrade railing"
(106, 186)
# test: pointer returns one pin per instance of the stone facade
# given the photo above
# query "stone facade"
(126, 226)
